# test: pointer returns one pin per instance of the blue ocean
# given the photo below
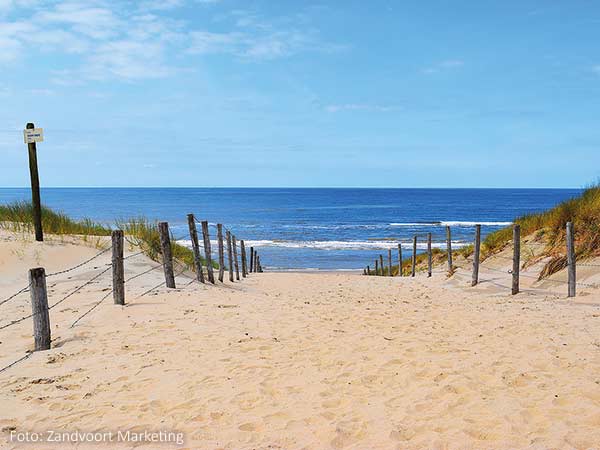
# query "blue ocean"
(311, 228)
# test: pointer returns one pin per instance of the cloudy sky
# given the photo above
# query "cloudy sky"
(312, 93)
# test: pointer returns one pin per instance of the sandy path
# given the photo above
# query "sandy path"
(287, 360)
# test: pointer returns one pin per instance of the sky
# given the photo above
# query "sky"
(308, 94)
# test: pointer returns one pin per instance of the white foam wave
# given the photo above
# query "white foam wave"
(452, 223)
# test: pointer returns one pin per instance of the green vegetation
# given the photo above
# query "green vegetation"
(18, 217)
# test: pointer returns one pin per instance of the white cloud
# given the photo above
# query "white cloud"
(359, 107)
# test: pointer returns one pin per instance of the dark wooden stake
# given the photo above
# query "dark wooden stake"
(571, 259)
(256, 268)
(165, 245)
(39, 309)
(381, 265)
(516, 258)
(399, 260)
(35, 188)
(390, 262)
(449, 249)
(368, 270)
(221, 251)
(207, 252)
(429, 256)
(251, 259)
(414, 257)
(244, 263)
(195, 247)
(376, 267)
(476, 252)
(235, 258)
(229, 255)
(118, 269)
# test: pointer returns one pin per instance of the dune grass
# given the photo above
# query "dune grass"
(18, 217)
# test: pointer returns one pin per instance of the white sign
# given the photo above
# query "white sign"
(33, 135)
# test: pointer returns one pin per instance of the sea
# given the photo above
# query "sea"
(310, 229)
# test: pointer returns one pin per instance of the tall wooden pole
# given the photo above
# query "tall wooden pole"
(414, 257)
(390, 262)
(35, 188)
(571, 259)
(207, 252)
(381, 265)
(195, 247)
(449, 249)
(516, 258)
(229, 255)
(251, 259)
(235, 257)
(399, 260)
(165, 245)
(118, 270)
(244, 262)
(476, 251)
(221, 251)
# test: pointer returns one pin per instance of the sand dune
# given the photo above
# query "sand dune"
(303, 361)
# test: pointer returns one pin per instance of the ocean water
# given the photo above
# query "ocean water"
(311, 228)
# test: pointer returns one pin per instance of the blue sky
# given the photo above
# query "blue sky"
(287, 93)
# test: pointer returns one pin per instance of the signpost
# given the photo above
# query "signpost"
(31, 136)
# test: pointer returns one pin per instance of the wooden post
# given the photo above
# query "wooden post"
(571, 266)
(476, 251)
(235, 258)
(244, 263)
(165, 245)
(39, 309)
(35, 188)
(118, 270)
(429, 256)
(399, 260)
(251, 258)
(207, 252)
(221, 251)
(381, 265)
(390, 262)
(256, 268)
(376, 267)
(260, 269)
(516, 258)
(229, 255)
(449, 249)
(368, 270)
(195, 247)
(414, 257)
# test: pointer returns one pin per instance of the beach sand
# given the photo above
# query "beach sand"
(302, 360)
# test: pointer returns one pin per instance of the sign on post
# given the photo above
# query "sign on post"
(33, 135)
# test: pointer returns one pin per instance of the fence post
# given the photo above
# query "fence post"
(368, 270)
(390, 262)
(399, 260)
(414, 257)
(229, 255)
(376, 267)
(195, 247)
(476, 251)
(39, 309)
(165, 245)
(244, 264)
(429, 256)
(256, 261)
(251, 258)
(571, 259)
(207, 252)
(35, 188)
(221, 251)
(118, 271)
(449, 249)
(235, 258)
(516, 258)
(381, 265)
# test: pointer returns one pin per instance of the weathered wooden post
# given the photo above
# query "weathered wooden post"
(260, 269)
(390, 262)
(399, 260)
(118, 270)
(414, 257)
(35, 182)
(195, 247)
(235, 258)
(376, 267)
(244, 263)
(229, 255)
(221, 251)
(207, 252)
(381, 265)
(256, 261)
(39, 309)
(368, 270)
(571, 260)
(516, 258)
(449, 249)
(429, 256)
(251, 259)
(165, 245)
(476, 251)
